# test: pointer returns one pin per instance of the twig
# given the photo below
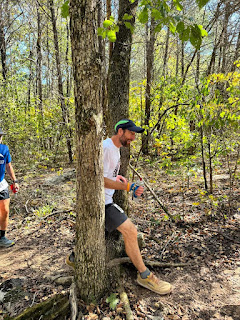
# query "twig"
(73, 301)
(126, 304)
(26, 206)
(164, 248)
(57, 212)
(117, 261)
(154, 194)
(33, 299)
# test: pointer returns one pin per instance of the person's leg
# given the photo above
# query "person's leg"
(129, 232)
(4, 214)
(145, 278)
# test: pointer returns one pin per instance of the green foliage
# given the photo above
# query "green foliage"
(163, 16)
(112, 300)
(202, 3)
(109, 30)
(65, 9)
(44, 211)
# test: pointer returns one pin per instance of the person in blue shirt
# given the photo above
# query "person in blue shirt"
(5, 165)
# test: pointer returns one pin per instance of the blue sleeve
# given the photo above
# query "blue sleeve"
(8, 156)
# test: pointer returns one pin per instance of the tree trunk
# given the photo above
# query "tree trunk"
(177, 59)
(3, 42)
(118, 84)
(182, 59)
(149, 62)
(225, 38)
(39, 74)
(90, 243)
(237, 54)
(60, 85)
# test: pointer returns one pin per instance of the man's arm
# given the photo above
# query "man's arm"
(11, 173)
(116, 185)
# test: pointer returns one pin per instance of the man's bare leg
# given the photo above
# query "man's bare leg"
(4, 213)
(129, 232)
(145, 278)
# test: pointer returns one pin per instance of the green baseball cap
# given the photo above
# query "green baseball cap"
(128, 124)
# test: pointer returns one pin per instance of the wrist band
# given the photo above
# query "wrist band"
(135, 189)
(128, 187)
(132, 185)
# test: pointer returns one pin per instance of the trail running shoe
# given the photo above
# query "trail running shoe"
(70, 260)
(154, 284)
(5, 242)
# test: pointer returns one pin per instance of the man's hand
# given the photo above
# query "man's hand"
(16, 187)
(121, 179)
(139, 191)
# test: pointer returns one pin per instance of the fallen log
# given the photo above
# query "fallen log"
(55, 308)
(117, 261)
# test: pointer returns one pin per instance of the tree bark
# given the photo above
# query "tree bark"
(39, 103)
(90, 242)
(149, 63)
(60, 84)
(118, 84)
(3, 42)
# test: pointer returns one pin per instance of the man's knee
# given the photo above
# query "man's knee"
(128, 229)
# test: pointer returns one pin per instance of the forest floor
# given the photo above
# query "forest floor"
(206, 239)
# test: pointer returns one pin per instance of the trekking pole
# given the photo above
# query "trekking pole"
(154, 194)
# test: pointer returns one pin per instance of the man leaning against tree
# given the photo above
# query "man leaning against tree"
(5, 164)
(115, 217)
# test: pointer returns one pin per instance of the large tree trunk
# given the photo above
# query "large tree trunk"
(60, 84)
(118, 84)
(90, 242)
(149, 63)
(3, 41)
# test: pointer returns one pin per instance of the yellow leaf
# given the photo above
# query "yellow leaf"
(196, 203)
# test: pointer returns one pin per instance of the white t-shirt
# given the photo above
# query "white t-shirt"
(111, 165)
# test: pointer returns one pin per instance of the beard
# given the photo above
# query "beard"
(124, 141)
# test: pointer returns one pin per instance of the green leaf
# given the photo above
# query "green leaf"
(202, 3)
(107, 23)
(158, 28)
(178, 5)
(172, 27)
(184, 36)
(202, 30)
(65, 9)
(112, 300)
(195, 36)
(111, 34)
(156, 14)
(127, 17)
(143, 16)
(101, 32)
(129, 26)
(116, 28)
(180, 27)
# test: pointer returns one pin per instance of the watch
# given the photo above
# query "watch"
(15, 181)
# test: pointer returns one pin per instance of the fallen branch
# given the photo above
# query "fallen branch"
(73, 301)
(154, 195)
(56, 212)
(57, 307)
(117, 261)
(126, 304)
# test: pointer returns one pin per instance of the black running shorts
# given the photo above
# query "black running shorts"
(114, 217)
(4, 194)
